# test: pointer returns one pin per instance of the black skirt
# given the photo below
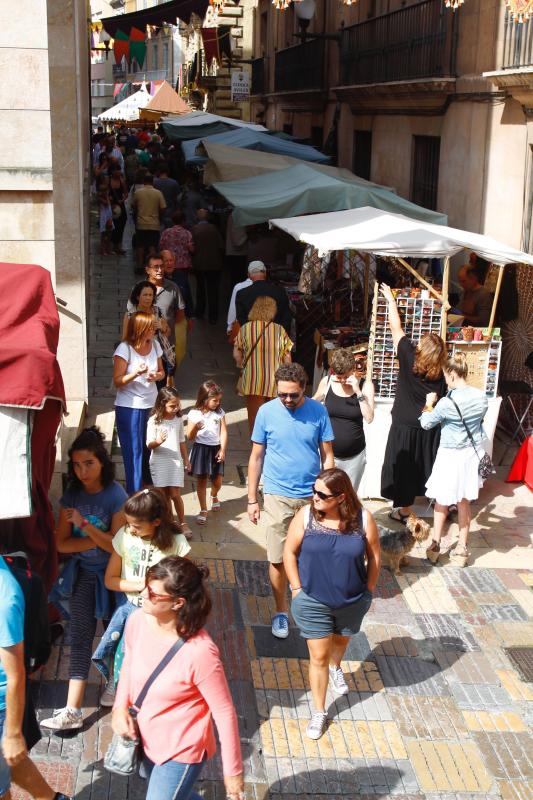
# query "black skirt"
(203, 460)
(409, 458)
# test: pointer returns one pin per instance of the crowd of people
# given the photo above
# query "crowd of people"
(127, 551)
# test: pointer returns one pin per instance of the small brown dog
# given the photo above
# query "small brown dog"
(395, 545)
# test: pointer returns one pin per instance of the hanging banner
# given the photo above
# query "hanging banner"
(240, 86)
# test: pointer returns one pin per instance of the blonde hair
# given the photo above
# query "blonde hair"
(430, 357)
(264, 309)
(458, 365)
(139, 324)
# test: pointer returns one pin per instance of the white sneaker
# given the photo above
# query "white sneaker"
(338, 681)
(107, 698)
(317, 725)
(64, 719)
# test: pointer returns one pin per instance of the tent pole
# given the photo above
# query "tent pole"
(340, 267)
(366, 286)
(445, 305)
(370, 353)
(496, 297)
(419, 278)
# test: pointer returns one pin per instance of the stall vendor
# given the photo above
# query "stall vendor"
(476, 301)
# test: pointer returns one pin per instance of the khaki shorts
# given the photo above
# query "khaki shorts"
(277, 516)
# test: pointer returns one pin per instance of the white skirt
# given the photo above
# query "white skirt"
(454, 476)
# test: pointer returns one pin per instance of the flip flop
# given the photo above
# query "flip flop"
(401, 518)
(201, 518)
(215, 503)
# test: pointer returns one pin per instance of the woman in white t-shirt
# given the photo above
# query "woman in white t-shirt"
(137, 366)
(206, 427)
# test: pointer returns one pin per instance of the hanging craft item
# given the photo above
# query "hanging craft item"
(520, 10)
(138, 46)
(121, 46)
(453, 4)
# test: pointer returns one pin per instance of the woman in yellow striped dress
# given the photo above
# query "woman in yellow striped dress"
(259, 349)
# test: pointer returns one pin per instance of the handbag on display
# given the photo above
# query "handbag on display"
(238, 387)
(123, 754)
(485, 467)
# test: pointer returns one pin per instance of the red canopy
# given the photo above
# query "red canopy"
(29, 333)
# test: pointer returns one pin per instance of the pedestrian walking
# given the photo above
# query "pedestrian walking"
(261, 346)
(208, 262)
(181, 323)
(142, 298)
(206, 427)
(175, 720)
(169, 458)
(179, 241)
(118, 194)
(292, 435)
(91, 514)
(137, 366)
(105, 215)
(349, 402)
(455, 478)
(332, 560)
(411, 450)
(149, 535)
(148, 205)
(260, 287)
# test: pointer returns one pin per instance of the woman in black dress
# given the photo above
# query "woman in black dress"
(410, 450)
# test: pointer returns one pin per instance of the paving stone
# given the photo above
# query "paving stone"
(514, 687)
(411, 676)
(510, 578)
(504, 721)
(516, 790)
(252, 578)
(446, 766)
(427, 717)
(499, 613)
(482, 696)
(508, 756)
(392, 640)
(426, 593)
(447, 631)
(472, 579)
(469, 668)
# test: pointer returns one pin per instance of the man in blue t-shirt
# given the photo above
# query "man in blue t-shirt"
(292, 435)
(15, 763)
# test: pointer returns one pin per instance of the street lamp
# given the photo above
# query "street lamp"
(305, 11)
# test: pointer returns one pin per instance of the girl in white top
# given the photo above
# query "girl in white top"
(137, 366)
(165, 438)
(207, 429)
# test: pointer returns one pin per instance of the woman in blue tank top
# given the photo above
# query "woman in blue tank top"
(332, 561)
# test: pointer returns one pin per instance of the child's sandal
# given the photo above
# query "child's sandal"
(215, 503)
(201, 518)
(186, 531)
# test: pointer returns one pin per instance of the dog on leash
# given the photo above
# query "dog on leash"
(395, 545)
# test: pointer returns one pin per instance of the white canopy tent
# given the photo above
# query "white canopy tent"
(128, 109)
(203, 118)
(370, 230)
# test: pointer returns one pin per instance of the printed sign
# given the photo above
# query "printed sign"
(240, 86)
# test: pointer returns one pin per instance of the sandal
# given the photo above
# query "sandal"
(402, 518)
(201, 518)
(459, 557)
(433, 552)
(186, 531)
(215, 503)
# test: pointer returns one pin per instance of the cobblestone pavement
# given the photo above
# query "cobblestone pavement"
(436, 707)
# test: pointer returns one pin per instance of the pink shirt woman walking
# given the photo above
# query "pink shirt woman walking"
(175, 720)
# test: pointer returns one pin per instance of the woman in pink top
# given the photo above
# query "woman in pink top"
(175, 719)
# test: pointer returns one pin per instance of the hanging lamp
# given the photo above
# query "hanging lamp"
(520, 10)
(218, 5)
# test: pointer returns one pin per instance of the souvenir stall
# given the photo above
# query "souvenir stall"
(423, 308)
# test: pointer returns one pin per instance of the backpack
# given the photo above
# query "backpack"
(37, 639)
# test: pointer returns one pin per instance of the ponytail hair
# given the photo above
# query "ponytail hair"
(185, 579)
(147, 506)
(458, 365)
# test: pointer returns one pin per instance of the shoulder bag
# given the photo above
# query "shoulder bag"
(123, 754)
(238, 387)
(485, 467)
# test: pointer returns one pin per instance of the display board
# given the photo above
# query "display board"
(483, 360)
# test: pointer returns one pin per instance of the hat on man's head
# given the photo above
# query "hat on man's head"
(255, 267)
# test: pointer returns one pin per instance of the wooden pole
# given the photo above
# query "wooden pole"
(496, 297)
(445, 304)
(423, 281)
(370, 354)
(366, 284)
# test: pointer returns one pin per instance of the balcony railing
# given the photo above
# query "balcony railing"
(517, 44)
(300, 67)
(419, 41)
(258, 76)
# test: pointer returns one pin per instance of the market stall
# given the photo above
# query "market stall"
(165, 101)
(127, 110)
(200, 123)
(397, 237)
(195, 153)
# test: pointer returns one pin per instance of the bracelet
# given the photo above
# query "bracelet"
(362, 398)
(84, 523)
(253, 502)
(293, 588)
(427, 408)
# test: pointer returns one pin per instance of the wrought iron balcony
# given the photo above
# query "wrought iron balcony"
(517, 44)
(416, 42)
(300, 68)
(258, 76)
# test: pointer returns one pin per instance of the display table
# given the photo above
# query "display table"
(376, 435)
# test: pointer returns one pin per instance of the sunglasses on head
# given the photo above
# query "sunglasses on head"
(323, 495)
(289, 395)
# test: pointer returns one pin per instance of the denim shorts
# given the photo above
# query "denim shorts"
(5, 772)
(316, 620)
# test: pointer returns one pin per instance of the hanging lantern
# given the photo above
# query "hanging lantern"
(218, 5)
(520, 10)
(349, 2)
(281, 5)
(453, 4)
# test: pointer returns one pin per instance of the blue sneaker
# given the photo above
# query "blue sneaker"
(280, 625)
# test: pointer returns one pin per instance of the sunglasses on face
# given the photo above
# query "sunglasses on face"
(153, 597)
(323, 495)
(289, 395)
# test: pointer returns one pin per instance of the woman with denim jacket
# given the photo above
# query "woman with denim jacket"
(455, 478)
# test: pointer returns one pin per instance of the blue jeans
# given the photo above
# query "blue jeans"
(5, 772)
(104, 654)
(131, 429)
(171, 780)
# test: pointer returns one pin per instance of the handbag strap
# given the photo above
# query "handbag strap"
(250, 354)
(467, 429)
(167, 658)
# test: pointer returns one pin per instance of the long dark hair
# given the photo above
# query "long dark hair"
(338, 482)
(151, 504)
(207, 389)
(165, 394)
(183, 578)
(137, 289)
(91, 439)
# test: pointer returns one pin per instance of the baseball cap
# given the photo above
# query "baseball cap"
(255, 267)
